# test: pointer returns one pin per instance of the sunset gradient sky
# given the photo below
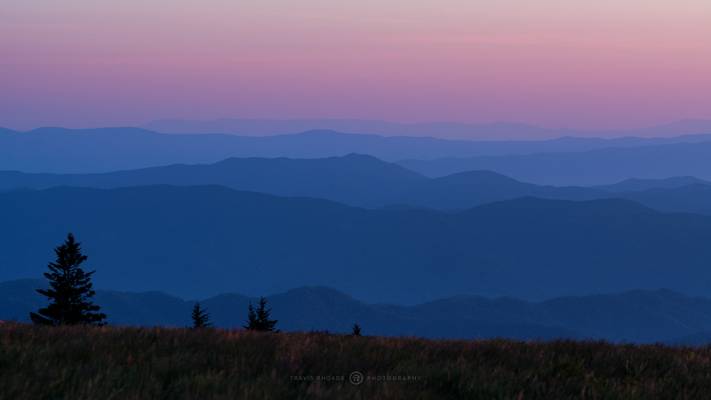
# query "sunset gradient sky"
(558, 63)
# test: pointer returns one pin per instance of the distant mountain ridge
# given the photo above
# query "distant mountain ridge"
(635, 316)
(213, 239)
(365, 181)
(471, 131)
(270, 127)
(352, 179)
(586, 168)
(61, 150)
(638, 185)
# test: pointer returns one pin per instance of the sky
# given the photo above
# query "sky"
(558, 63)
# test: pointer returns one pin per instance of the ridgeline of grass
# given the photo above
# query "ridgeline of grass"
(133, 363)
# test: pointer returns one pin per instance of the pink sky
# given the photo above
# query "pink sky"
(557, 63)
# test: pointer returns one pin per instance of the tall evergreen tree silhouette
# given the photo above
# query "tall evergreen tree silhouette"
(70, 292)
(356, 330)
(201, 319)
(259, 319)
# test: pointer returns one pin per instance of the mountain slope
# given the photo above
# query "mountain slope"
(692, 198)
(353, 179)
(472, 188)
(198, 240)
(365, 181)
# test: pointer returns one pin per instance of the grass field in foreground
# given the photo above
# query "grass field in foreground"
(133, 363)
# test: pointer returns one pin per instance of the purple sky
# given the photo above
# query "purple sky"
(556, 63)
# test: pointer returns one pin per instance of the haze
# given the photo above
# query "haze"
(581, 64)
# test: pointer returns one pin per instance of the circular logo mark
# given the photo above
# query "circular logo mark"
(356, 378)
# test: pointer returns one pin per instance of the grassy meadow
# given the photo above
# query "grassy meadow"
(135, 363)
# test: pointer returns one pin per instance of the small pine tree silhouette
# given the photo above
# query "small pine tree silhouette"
(258, 319)
(356, 330)
(70, 290)
(201, 319)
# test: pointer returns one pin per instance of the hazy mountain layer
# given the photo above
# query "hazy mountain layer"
(194, 241)
(595, 167)
(471, 131)
(62, 150)
(368, 182)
